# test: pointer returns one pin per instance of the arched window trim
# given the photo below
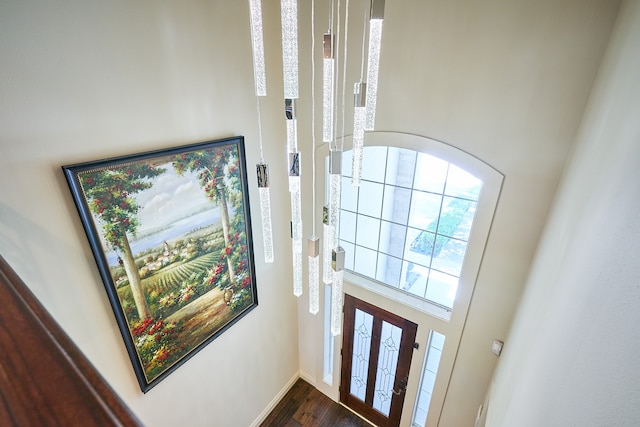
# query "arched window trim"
(485, 210)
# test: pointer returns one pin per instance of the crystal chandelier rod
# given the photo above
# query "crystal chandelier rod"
(359, 115)
(328, 70)
(289, 17)
(313, 242)
(329, 214)
(334, 137)
(257, 42)
(292, 125)
(344, 67)
(337, 264)
(327, 246)
(335, 166)
(262, 169)
(338, 255)
(335, 159)
(296, 221)
(314, 274)
(375, 40)
(294, 189)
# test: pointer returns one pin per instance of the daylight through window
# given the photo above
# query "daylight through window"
(408, 224)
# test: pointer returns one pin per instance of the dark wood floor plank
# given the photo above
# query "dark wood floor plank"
(304, 405)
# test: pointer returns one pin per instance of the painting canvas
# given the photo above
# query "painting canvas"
(171, 234)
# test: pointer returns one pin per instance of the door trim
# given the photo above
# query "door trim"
(365, 408)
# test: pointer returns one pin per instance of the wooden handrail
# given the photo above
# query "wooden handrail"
(44, 378)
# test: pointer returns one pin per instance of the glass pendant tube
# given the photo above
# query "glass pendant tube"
(358, 131)
(327, 246)
(292, 135)
(292, 131)
(337, 255)
(335, 167)
(328, 74)
(265, 210)
(373, 64)
(297, 267)
(313, 248)
(337, 265)
(296, 221)
(257, 42)
(296, 240)
(291, 144)
(262, 169)
(289, 16)
(314, 274)
(292, 138)
(296, 211)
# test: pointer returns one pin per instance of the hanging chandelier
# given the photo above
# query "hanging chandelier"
(365, 95)
(289, 19)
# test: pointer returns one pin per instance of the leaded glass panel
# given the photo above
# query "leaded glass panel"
(386, 370)
(363, 326)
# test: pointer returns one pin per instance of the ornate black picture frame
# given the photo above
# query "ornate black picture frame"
(170, 231)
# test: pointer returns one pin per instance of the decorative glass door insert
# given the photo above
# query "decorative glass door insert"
(376, 356)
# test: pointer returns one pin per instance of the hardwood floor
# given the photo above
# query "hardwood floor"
(304, 405)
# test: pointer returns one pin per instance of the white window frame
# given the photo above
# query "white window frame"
(486, 205)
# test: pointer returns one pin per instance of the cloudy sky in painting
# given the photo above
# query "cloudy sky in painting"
(171, 198)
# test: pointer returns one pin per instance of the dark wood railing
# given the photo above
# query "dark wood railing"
(44, 378)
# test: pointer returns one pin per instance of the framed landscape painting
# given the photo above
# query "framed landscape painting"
(171, 234)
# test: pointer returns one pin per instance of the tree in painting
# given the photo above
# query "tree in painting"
(219, 177)
(109, 195)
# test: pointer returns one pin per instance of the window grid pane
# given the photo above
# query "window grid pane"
(388, 270)
(365, 261)
(347, 226)
(413, 216)
(461, 183)
(396, 204)
(348, 195)
(368, 232)
(401, 167)
(374, 162)
(392, 236)
(371, 204)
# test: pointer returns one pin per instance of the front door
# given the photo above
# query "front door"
(377, 348)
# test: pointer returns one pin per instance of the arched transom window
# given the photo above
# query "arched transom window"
(411, 223)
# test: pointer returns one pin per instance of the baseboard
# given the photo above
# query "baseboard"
(308, 378)
(265, 413)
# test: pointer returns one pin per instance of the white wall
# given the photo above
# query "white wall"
(572, 356)
(506, 81)
(80, 81)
